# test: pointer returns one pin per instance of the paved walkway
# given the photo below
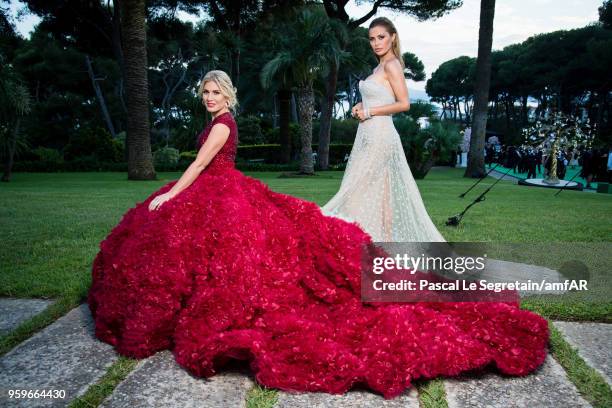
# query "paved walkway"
(14, 311)
(67, 356)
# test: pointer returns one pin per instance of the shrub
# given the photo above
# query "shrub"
(250, 130)
(419, 109)
(186, 158)
(45, 160)
(97, 142)
(270, 153)
(166, 158)
(424, 147)
(48, 155)
(342, 130)
(272, 135)
(246, 166)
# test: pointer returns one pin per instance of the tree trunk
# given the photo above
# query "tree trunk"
(601, 105)
(326, 117)
(275, 111)
(475, 165)
(507, 108)
(495, 107)
(294, 110)
(284, 101)
(524, 110)
(118, 51)
(235, 55)
(140, 160)
(8, 164)
(171, 89)
(100, 97)
(306, 109)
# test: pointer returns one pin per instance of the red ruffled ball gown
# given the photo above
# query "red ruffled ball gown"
(229, 269)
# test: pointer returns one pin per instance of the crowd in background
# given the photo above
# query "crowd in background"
(595, 163)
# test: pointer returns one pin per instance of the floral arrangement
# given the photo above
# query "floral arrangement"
(554, 130)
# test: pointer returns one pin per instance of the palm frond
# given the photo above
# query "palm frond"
(276, 67)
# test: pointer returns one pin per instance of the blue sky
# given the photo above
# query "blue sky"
(456, 33)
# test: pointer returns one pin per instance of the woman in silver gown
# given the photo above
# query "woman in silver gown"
(378, 190)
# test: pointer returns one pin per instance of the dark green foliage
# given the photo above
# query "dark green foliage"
(420, 109)
(342, 131)
(95, 142)
(272, 135)
(425, 147)
(250, 130)
(605, 14)
(567, 70)
(166, 158)
(270, 153)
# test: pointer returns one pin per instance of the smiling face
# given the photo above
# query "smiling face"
(381, 40)
(212, 97)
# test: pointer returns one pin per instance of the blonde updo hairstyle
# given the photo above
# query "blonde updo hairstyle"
(224, 83)
(390, 27)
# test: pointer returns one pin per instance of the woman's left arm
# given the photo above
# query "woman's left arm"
(395, 75)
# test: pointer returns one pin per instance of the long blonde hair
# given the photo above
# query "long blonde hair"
(224, 83)
(390, 27)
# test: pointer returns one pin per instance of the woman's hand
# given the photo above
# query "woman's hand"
(158, 201)
(361, 115)
(358, 112)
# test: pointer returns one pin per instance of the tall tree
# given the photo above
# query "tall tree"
(415, 69)
(475, 166)
(605, 14)
(339, 31)
(451, 82)
(307, 48)
(235, 18)
(134, 38)
(93, 27)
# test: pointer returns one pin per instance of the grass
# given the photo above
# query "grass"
(432, 394)
(261, 397)
(588, 381)
(52, 224)
(95, 394)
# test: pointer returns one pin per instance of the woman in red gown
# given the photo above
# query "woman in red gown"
(216, 266)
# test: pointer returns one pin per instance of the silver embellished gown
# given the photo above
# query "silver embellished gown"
(378, 190)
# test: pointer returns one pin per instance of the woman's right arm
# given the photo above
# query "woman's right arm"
(215, 141)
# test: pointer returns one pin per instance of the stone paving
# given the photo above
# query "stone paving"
(593, 341)
(160, 381)
(13, 312)
(546, 387)
(67, 356)
(63, 356)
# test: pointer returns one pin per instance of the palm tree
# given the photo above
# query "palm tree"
(307, 48)
(475, 166)
(340, 30)
(15, 102)
(134, 40)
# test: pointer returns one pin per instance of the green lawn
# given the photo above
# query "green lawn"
(51, 226)
(52, 223)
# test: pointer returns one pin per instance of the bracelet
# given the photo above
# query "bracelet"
(367, 113)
